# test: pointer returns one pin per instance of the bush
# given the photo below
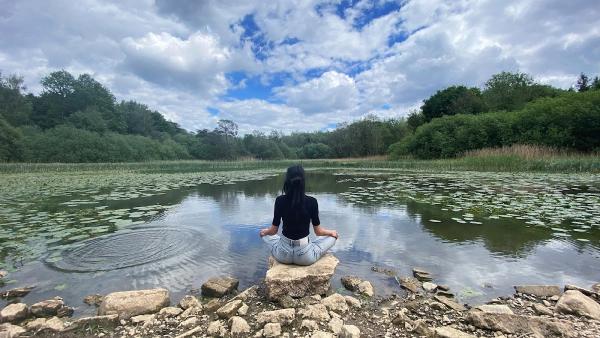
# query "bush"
(316, 150)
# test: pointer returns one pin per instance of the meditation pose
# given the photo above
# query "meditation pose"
(297, 211)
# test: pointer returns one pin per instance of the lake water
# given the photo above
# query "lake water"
(479, 233)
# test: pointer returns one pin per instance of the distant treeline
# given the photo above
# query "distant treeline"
(77, 119)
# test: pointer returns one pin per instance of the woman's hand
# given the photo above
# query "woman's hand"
(272, 230)
(333, 233)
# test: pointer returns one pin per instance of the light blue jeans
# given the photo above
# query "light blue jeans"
(299, 255)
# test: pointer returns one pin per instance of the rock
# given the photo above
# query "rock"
(65, 311)
(195, 332)
(8, 330)
(36, 324)
(574, 302)
(243, 310)
(352, 302)
(596, 288)
(251, 292)
(272, 330)
(539, 290)
(445, 294)
(494, 308)
(450, 332)
(105, 321)
(420, 327)
(421, 274)
(409, 283)
(449, 303)
(212, 305)
(229, 309)
(546, 303)
(217, 328)
(53, 324)
(14, 313)
(93, 299)
(309, 325)
(365, 288)
(438, 306)
(299, 281)
(286, 301)
(141, 319)
(47, 308)
(132, 303)
(170, 311)
(239, 326)
(317, 312)
(189, 322)
(192, 311)
(283, 316)
(335, 302)
(429, 287)
(16, 293)
(321, 334)
(219, 286)
(541, 309)
(586, 292)
(443, 287)
(335, 325)
(189, 301)
(349, 331)
(516, 324)
(554, 298)
(351, 282)
(3, 273)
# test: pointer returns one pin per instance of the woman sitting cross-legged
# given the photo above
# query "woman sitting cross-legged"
(297, 210)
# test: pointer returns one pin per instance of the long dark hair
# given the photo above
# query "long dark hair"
(294, 187)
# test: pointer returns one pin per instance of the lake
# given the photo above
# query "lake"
(74, 234)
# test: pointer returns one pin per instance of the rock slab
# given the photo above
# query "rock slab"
(450, 332)
(299, 281)
(14, 313)
(8, 330)
(539, 290)
(516, 324)
(127, 304)
(219, 286)
(575, 302)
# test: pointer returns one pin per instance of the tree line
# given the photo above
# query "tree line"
(77, 119)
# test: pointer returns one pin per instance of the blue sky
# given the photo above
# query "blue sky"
(295, 65)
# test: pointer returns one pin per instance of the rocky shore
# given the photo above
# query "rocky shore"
(295, 301)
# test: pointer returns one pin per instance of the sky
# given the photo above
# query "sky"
(295, 65)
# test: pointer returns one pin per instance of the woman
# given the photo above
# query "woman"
(297, 211)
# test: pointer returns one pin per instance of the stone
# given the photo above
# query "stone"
(309, 325)
(409, 283)
(351, 282)
(575, 302)
(443, 287)
(450, 332)
(421, 274)
(596, 288)
(47, 308)
(251, 292)
(53, 324)
(283, 316)
(36, 324)
(286, 301)
(494, 308)
(446, 294)
(127, 304)
(212, 306)
(335, 302)
(541, 309)
(216, 328)
(191, 311)
(95, 299)
(321, 334)
(516, 324)
(95, 321)
(299, 281)
(349, 331)
(14, 313)
(229, 309)
(272, 330)
(335, 325)
(539, 290)
(586, 292)
(429, 287)
(195, 332)
(243, 310)
(554, 298)
(170, 311)
(219, 286)
(239, 326)
(352, 302)
(8, 330)
(3, 273)
(189, 301)
(449, 303)
(420, 327)
(17, 292)
(317, 312)
(65, 311)
(190, 322)
(366, 288)
(141, 319)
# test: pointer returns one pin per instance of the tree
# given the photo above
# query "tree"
(415, 119)
(14, 107)
(583, 83)
(227, 128)
(511, 91)
(453, 100)
(10, 142)
(595, 83)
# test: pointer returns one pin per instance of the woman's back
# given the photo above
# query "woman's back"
(296, 219)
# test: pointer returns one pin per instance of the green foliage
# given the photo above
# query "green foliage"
(453, 100)
(511, 91)
(10, 142)
(583, 83)
(14, 107)
(571, 120)
(316, 150)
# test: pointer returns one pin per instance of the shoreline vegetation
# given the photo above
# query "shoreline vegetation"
(515, 158)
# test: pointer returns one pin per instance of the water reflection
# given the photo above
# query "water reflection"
(225, 220)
